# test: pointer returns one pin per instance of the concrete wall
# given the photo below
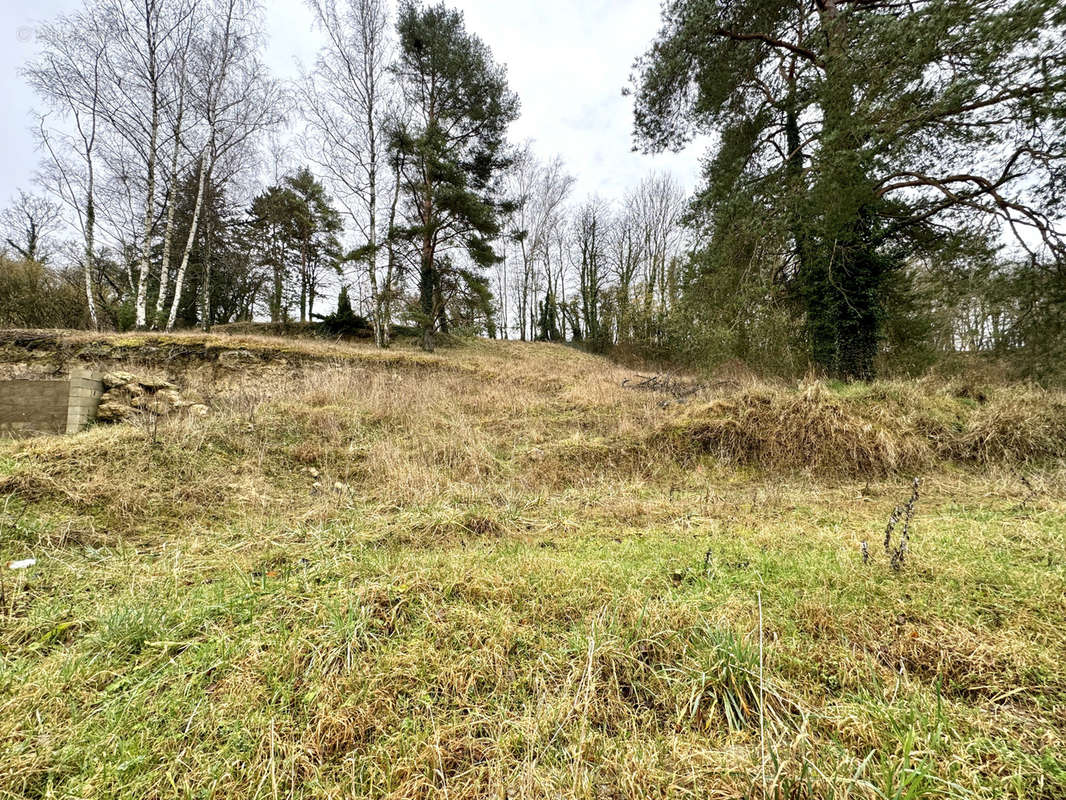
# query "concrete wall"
(49, 406)
(85, 390)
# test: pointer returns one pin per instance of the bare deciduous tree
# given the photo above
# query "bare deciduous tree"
(539, 191)
(347, 103)
(67, 75)
(235, 100)
(28, 224)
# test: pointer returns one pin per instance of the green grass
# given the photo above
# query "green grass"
(484, 610)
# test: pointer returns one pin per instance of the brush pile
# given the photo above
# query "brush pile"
(676, 388)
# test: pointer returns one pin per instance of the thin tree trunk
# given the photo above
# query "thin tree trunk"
(168, 231)
(149, 203)
(304, 281)
(205, 309)
(90, 233)
(179, 280)
(390, 268)
(426, 295)
(427, 277)
(372, 208)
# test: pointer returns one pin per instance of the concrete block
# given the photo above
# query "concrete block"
(36, 405)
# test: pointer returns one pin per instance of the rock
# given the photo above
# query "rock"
(156, 403)
(157, 406)
(235, 359)
(119, 396)
(169, 396)
(128, 395)
(118, 378)
(154, 383)
(113, 412)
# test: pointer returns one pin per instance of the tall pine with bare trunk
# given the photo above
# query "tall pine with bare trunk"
(453, 150)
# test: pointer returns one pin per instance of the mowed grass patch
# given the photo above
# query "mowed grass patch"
(369, 584)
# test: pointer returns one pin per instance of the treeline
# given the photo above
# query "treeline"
(865, 206)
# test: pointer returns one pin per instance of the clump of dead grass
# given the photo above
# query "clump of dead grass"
(875, 430)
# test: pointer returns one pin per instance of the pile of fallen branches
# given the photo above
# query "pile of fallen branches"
(677, 388)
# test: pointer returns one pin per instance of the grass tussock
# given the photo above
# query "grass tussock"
(880, 429)
(513, 577)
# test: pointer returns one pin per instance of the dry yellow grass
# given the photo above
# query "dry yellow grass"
(494, 572)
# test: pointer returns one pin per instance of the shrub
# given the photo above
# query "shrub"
(344, 321)
(35, 296)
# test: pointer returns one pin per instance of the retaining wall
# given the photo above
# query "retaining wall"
(67, 405)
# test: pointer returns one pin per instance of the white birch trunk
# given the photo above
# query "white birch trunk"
(149, 214)
(179, 279)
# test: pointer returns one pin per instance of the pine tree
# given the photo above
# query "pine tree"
(865, 134)
(453, 149)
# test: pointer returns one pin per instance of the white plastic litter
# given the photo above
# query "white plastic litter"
(23, 564)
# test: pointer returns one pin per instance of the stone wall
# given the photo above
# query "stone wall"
(29, 406)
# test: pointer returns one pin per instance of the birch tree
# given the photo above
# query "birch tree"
(235, 100)
(67, 76)
(144, 41)
(539, 191)
(178, 163)
(347, 102)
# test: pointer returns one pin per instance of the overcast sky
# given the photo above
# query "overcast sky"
(567, 60)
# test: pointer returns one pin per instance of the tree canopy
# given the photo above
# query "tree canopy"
(866, 133)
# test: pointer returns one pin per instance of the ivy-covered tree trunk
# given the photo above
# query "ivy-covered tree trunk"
(426, 292)
(842, 287)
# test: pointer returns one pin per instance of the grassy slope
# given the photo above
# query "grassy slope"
(485, 573)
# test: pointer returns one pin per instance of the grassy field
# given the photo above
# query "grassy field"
(494, 572)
